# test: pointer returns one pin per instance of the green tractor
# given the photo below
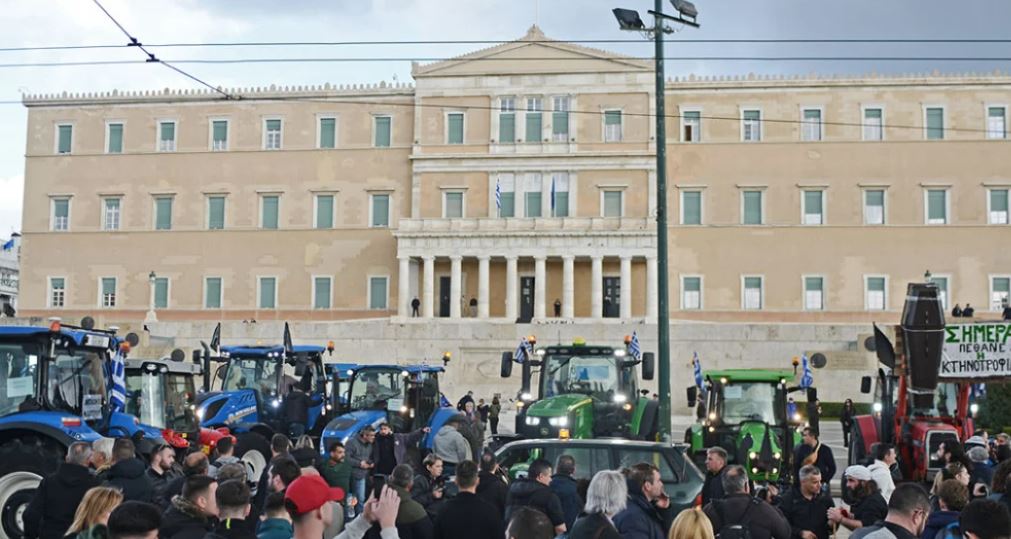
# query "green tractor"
(749, 413)
(584, 391)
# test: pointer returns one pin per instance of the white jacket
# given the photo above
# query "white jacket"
(882, 475)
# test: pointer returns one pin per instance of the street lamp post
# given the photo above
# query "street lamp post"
(629, 20)
(151, 315)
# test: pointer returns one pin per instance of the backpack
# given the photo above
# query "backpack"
(738, 530)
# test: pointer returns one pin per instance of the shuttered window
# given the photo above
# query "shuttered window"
(874, 207)
(328, 133)
(64, 138)
(167, 136)
(875, 298)
(268, 293)
(270, 206)
(219, 135)
(377, 293)
(937, 206)
(161, 293)
(612, 126)
(813, 211)
(454, 128)
(534, 119)
(324, 211)
(115, 138)
(691, 207)
(753, 293)
(216, 213)
(382, 131)
(998, 206)
(380, 211)
(612, 203)
(212, 293)
(935, 123)
(691, 293)
(507, 120)
(163, 213)
(321, 293)
(752, 202)
(814, 293)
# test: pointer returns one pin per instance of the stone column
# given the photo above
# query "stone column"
(404, 289)
(482, 286)
(456, 269)
(511, 277)
(568, 287)
(428, 302)
(626, 287)
(540, 288)
(651, 289)
(597, 287)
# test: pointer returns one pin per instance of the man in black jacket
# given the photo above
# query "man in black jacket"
(134, 520)
(192, 514)
(161, 473)
(467, 515)
(51, 511)
(128, 473)
(490, 487)
(716, 463)
(296, 410)
(740, 508)
(806, 507)
(812, 451)
(233, 499)
(563, 484)
(533, 491)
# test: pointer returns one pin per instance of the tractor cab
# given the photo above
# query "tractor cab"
(339, 383)
(162, 394)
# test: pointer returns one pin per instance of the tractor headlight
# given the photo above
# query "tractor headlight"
(752, 455)
(775, 471)
(532, 421)
(559, 421)
(276, 403)
(878, 407)
(620, 397)
(712, 416)
(974, 408)
(796, 416)
(777, 455)
(754, 470)
(526, 397)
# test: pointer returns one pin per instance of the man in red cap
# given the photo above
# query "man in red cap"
(309, 498)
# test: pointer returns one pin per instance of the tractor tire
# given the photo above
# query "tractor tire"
(253, 449)
(23, 464)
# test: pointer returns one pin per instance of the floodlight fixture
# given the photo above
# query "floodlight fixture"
(628, 19)
(686, 8)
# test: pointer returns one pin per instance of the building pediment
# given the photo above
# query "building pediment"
(532, 54)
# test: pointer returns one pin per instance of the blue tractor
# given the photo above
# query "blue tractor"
(339, 375)
(405, 396)
(254, 381)
(54, 391)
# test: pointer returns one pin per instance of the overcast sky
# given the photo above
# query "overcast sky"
(73, 22)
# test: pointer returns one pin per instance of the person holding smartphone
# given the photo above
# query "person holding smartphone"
(359, 455)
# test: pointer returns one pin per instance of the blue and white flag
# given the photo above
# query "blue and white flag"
(9, 245)
(697, 370)
(978, 390)
(552, 196)
(498, 195)
(633, 347)
(806, 378)
(118, 394)
(522, 353)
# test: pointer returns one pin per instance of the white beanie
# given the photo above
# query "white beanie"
(860, 473)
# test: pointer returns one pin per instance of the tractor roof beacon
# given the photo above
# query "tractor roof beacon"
(53, 392)
(584, 391)
(748, 413)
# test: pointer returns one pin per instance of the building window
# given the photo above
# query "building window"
(380, 211)
(751, 208)
(272, 134)
(874, 207)
(814, 207)
(507, 120)
(216, 212)
(454, 128)
(534, 119)
(997, 206)
(691, 207)
(751, 125)
(1000, 292)
(560, 194)
(505, 194)
(161, 293)
(163, 213)
(753, 295)
(814, 293)
(612, 126)
(267, 293)
(382, 128)
(378, 292)
(452, 204)
(691, 126)
(64, 138)
(114, 137)
(560, 118)
(328, 133)
(219, 135)
(61, 214)
(107, 297)
(811, 128)
(166, 136)
(936, 206)
(532, 195)
(321, 294)
(934, 121)
(212, 292)
(875, 293)
(873, 127)
(942, 289)
(612, 204)
(324, 211)
(270, 206)
(691, 293)
(996, 122)
(111, 215)
(57, 292)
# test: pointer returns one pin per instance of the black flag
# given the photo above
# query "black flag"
(884, 348)
(216, 338)
(288, 347)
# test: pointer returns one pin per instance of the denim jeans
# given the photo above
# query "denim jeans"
(358, 489)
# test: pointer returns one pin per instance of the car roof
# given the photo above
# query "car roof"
(263, 351)
(595, 442)
(752, 375)
(413, 369)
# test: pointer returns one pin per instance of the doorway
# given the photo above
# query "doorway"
(612, 297)
(526, 299)
(444, 288)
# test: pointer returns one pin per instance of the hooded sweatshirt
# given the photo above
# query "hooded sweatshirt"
(184, 520)
(51, 511)
(530, 493)
(451, 446)
(130, 477)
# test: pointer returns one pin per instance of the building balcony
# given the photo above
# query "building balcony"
(522, 226)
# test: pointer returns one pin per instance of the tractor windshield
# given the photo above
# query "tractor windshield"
(748, 402)
(252, 373)
(163, 400)
(19, 373)
(373, 389)
(76, 383)
(591, 375)
(945, 400)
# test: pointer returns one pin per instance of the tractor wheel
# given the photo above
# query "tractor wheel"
(23, 464)
(253, 449)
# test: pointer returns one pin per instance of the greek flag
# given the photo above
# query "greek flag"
(552, 196)
(806, 378)
(697, 370)
(979, 390)
(633, 347)
(118, 394)
(498, 195)
(522, 353)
